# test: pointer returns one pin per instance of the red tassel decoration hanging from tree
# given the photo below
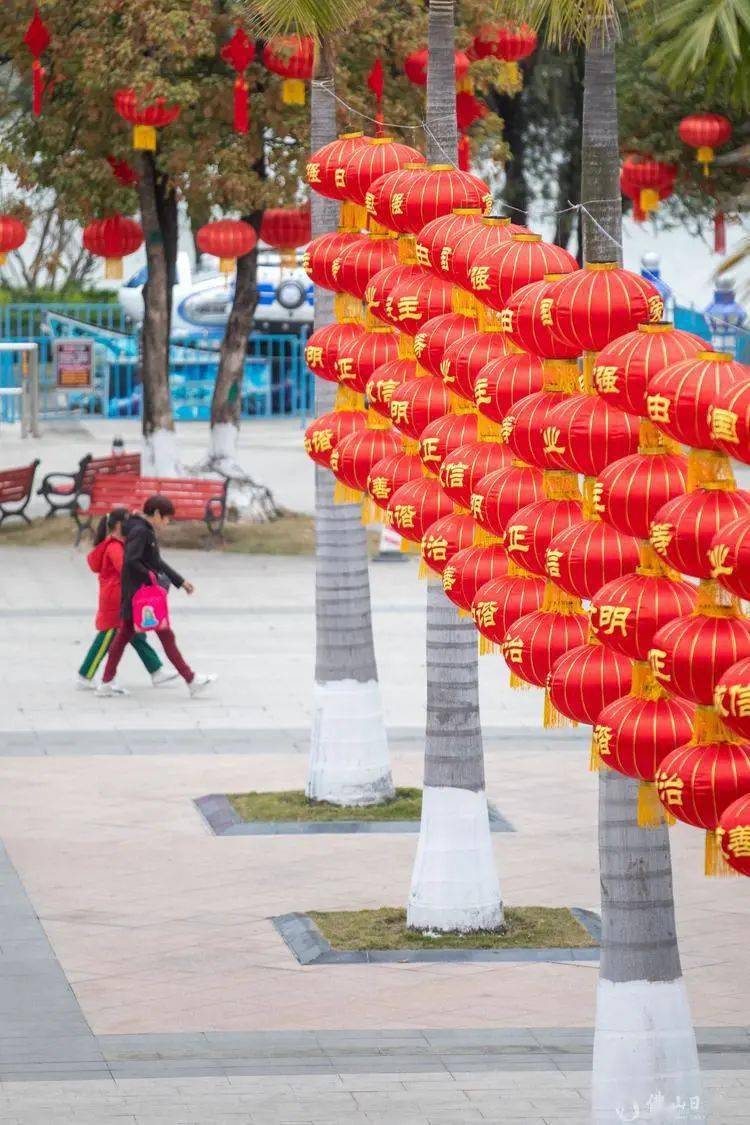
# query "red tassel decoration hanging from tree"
(375, 83)
(464, 153)
(37, 39)
(720, 233)
(239, 52)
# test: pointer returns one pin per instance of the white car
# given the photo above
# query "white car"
(201, 304)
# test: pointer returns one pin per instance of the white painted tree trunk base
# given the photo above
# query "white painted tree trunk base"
(645, 1057)
(454, 884)
(349, 763)
(159, 456)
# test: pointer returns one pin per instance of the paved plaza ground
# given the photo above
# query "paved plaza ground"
(141, 977)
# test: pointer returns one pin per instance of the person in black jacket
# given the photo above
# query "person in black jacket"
(142, 559)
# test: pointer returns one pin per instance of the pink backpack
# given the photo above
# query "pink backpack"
(150, 607)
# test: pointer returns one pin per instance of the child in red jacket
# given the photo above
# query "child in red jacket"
(106, 561)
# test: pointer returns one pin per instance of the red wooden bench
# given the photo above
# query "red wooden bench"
(201, 500)
(15, 489)
(63, 491)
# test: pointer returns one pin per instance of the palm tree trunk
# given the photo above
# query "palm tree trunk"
(159, 441)
(454, 882)
(349, 762)
(644, 1044)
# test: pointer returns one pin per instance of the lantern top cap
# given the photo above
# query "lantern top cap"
(526, 237)
(601, 266)
(467, 211)
(554, 276)
(496, 221)
(414, 166)
(717, 357)
(379, 140)
(350, 136)
(441, 168)
(662, 326)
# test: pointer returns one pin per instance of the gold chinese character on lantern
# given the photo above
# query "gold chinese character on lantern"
(397, 203)
(724, 424)
(657, 658)
(602, 739)
(408, 308)
(738, 840)
(484, 614)
(545, 311)
(312, 171)
(314, 355)
(719, 692)
(445, 258)
(369, 203)
(479, 277)
(399, 411)
(739, 701)
(551, 437)
(339, 177)
(428, 449)
(475, 505)
(506, 427)
(657, 407)
(517, 537)
(370, 294)
(345, 367)
(669, 788)
(609, 618)
(445, 371)
(513, 649)
(388, 518)
(308, 444)
(436, 548)
(605, 380)
(405, 514)
(336, 267)
(449, 578)
(389, 307)
(379, 487)
(552, 562)
(487, 203)
(597, 492)
(655, 308)
(386, 387)
(717, 556)
(480, 392)
(335, 461)
(661, 536)
(505, 320)
(420, 343)
(423, 256)
(322, 440)
(306, 261)
(452, 474)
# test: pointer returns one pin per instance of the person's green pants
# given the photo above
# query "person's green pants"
(100, 648)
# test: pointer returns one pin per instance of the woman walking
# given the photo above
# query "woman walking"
(106, 561)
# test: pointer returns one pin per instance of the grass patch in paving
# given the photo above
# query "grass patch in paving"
(532, 927)
(292, 804)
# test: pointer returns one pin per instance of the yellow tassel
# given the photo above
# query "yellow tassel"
(595, 758)
(293, 91)
(714, 601)
(484, 538)
(587, 373)
(487, 430)
(376, 421)
(643, 685)
(347, 399)
(509, 77)
(144, 138)
(486, 646)
(560, 485)
(652, 440)
(517, 684)
(425, 571)
(651, 564)
(560, 375)
(460, 405)
(464, 614)
(708, 468)
(407, 249)
(113, 269)
(554, 719)
(377, 229)
(405, 346)
(708, 726)
(557, 600)
(464, 303)
(650, 811)
(371, 513)
(409, 548)
(715, 864)
(352, 216)
(348, 309)
(410, 445)
(343, 494)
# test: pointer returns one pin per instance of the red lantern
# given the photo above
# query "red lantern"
(357, 263)
(588, 434)
(463, 468)
(587, 555)
(468, 110)
(624, 367)
(416, 505)
(629, 492)
(37, 39)
(436, 240)
(733, 834)
(227, 240)
(389, 474)
(633, 734)
(371, 160)
(12, 235)
(499, 603)
(406, 201)
(505, 41)
(496, 274)
(324, 433)
(527, 432)
(730, 557)
(145, 119)
(595, 305)
(415, 66)
(444, 538)
(286, 228)
(530, 531)
(732, 698)
(503, 382)
(239, 52)
(354, 456)
(385, 380)
(442, 436)
(530, 321)
(359, 356)
(535, 642)
(678, 399)
(438, 334)
(652, 179)
(412, 303)
(490, 233)
(325, 171)
(381, 286)
(323, 347)
(123, 172)
(469, 569)
(321, 254)
(688, 656)
(292, 58)
(729, 419)
(113, 239)
(587, 679)
(626, 613)
(497, 497)
(705, 132)
(683, 529)
(463, 361)
(417, 403)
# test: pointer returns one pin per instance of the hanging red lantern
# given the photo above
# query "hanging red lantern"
(407, 200)
(285, 229)
(321, 254)
(732, 698)
(526, 431)
(445, 538)
(705, 132)
(12, 235)
(679, 398)
(462, 468)
(381, 286)
(442, 436)
(417, 403)
(227, 240)
(145, 118)
(626, 613)
(497, 497)
(37, 39)
(683, 529)
(415, 301)
(469, 109)
(500, 602)
(415, 66)
(416, 505)
(324, 433)
(503, 382)
(729, 555)
(239, 52)
(323, 347)
(113, 239)
(358, 262)
(629, 492)
(729, 419)
(386, 379)
(633, 734)
(594, 306)
(354, 456)
(292, 58)
(123, 172)
(469, 569)
(585, 680)
(508, 42)
(587, 434)
(491, 232)
(587, 555)
(326, 168)
(689, 655)
(437, 239)
(530, 324)
(630, 185)
(389, 474)
(624, 367)
(373, 159)
(733, 834)
(497, 273)
(652, 179)
(530, 531)
(360, 355)
(464, 360)
(535, 642)
(436, 335)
